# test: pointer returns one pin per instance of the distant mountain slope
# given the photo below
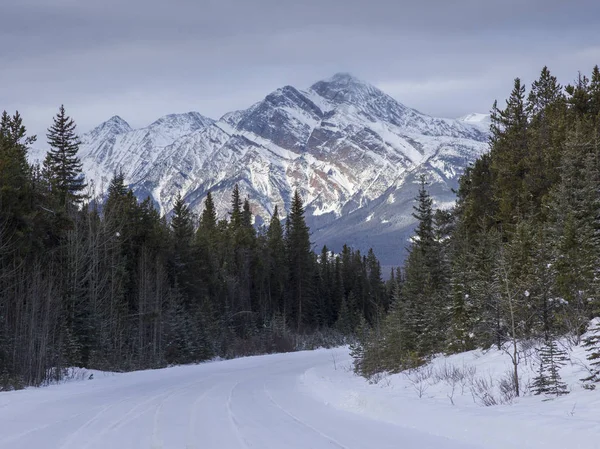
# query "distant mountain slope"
(352, 151)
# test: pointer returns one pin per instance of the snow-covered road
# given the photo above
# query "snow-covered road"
(256, 402)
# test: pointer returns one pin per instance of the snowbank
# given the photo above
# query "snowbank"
(445, 398)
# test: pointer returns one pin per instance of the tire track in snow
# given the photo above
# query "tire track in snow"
(303, 423)
(191, 433)
(18, 436)
(233, 420)
(74, 434)
(135, 412)
(129, 416)
(156, 439)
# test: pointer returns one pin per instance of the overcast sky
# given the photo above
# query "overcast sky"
(142, 59)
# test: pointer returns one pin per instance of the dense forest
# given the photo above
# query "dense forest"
(518, 257)
(112, 285)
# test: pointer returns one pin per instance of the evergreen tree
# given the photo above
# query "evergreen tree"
(182, 222)
(508, 153)
(63, 167)
(300, 262)
(15, 194)
(423, 213)
(208, 219)
(277, 264)
(595, 93)
(592, 347)
(246, 215)
(185, 267)
(579, 96)
(236, 208)
(548, 380)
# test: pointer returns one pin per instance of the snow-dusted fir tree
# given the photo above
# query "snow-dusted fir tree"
(548, 380)
(592, 345)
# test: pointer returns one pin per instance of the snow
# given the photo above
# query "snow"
(475, 118)
(478, 120)
(256, 402)
(426, 402)
(301, 400)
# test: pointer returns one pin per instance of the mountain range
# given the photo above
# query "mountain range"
(354, 153)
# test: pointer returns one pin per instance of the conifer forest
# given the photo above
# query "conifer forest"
(108, 283)
(518, 257)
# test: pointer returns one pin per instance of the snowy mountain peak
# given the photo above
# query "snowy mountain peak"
(477, 120)
(353, 152)
(476, 117)
(345, 88)
(345, 79)
(115, 125)
(191, 120)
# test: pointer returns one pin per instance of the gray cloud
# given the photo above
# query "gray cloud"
(145, 58)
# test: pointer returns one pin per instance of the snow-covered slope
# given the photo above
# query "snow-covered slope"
(352, 151)
(482, 121)
(301, 400)
(114, 145)
(238, 404)
(463, 397)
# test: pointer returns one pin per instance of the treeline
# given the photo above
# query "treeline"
(118, 287)
(518, 257)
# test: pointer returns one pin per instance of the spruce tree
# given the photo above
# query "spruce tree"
(595, 94)
(508, 154)
(548, 380)
(15, 174)
(545, 92)
(423, 213)
(208, 219)
(182, 222)
(300, 262)
(579, 96)
(236, 208)
(185, 270)
(63, 167)
(591, 343)
(277, 264)
(246, 215)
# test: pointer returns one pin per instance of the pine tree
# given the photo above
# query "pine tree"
(277, 263)
(423, 213)
(424, 286)
(579, 96)
(236, 208)
(544, 93)
(346, 320)
(185, 267)
(508, 153)
(548, 380)
(592, 346)
(546, 109)
(246, 215)
(182, 222)
(208, 219)
(63, 167)
(595, 93)
(300, 262)
(15, 174)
